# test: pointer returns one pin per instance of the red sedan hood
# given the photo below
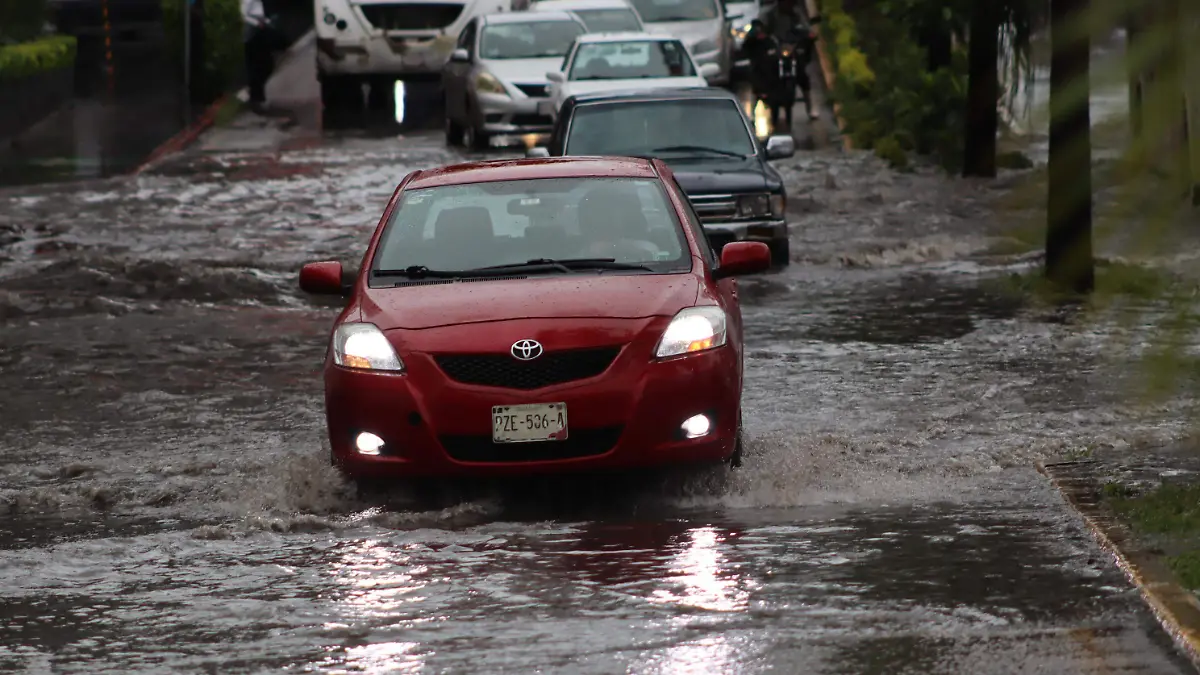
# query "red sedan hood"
(617, 296)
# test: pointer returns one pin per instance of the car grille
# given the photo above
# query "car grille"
(502, 370)
(714, 208)
(579, 443)
(411, 16)
(533, 90)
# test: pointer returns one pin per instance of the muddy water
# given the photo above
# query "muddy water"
(167, 504)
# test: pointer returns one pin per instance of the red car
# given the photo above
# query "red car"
(535, 316)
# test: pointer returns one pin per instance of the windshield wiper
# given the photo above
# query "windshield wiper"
(698, 148)
(569, 265)
(423, 272)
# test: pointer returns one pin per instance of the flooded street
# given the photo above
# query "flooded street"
(167, 504)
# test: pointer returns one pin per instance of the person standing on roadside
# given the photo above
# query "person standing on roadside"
(260, 40)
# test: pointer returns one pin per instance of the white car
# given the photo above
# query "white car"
(377, 42)
(703, 25)
(600, 16)
(497, 74)
(621, 62)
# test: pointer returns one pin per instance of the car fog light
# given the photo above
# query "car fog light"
(696, 426)
(370, 444)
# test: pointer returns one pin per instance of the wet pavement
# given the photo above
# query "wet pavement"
(168, 504)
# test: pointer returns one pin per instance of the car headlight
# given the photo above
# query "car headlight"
(753, 206)
(778, 205)
(486, 83)
(363, 346)
(739, 32)
(704, 47)
(694, 329)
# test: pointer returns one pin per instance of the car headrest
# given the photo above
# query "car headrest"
(464, 224)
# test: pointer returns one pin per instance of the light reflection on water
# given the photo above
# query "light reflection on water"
(701, 578)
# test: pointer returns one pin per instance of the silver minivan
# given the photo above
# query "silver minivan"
(701, 25)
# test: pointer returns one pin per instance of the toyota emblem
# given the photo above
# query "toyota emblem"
(526, 350)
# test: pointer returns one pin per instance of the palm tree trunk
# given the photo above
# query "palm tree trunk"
(1069, 262)
(983, 92)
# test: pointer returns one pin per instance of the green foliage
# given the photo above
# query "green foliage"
(889, 150)
(886, 92)
(1169, 509)
(49, 53)
(21, 20)
(223, 56)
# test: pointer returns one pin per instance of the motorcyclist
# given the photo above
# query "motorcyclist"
(798, 41)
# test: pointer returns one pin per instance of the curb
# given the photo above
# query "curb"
(1177, 610)
(828, 75)
(184, 138)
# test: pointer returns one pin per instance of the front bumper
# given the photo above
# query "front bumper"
(512, 116)
(628, 417)
(383, 55)
(766, 231)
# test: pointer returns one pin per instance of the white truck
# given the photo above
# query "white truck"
(377, 42)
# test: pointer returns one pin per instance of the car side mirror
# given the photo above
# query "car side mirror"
(323, 278)
(743, 257)
(710, 70)
(780, 147)
(537, 152)
(459, 55)
(556, 76)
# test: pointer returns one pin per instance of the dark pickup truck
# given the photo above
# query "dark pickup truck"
(708, 142)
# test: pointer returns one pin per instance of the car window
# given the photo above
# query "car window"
(631, 60)
(535, 39)
(459, 227)
(677, 10)
(466, 40)
(609, 20)
(692, 221)
(651, 127)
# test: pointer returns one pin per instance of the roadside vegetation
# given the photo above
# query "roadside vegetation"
(1168, 519)
(217, 68)
(27, 48)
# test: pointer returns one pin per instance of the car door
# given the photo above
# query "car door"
(456, 74)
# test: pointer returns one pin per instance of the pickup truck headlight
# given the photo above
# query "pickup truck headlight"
(486, 83)
(778, 205)
(694, 329)
(754, 206)
(363, 346)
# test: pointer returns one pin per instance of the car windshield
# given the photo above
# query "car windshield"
(635, 59)
(530, 40)
(609, 20)
(621, 221)
(677, 10)
(702, 127)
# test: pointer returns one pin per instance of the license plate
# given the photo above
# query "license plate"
(528, 423)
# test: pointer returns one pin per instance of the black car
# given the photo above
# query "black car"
(709, 143)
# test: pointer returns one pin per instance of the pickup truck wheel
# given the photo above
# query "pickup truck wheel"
(781, 252)
(339, 93)
(475, 139)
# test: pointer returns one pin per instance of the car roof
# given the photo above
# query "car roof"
(526, 169)
(656, 94)
(572, 5)
(528, 17)
(625, 36)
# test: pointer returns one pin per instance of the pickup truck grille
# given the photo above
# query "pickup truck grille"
(714, 208)
(411, 16)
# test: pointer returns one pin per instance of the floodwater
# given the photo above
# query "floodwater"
(168, 505)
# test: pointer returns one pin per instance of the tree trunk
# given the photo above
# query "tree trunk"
(1069, 262)
(983, 92)
(1134, 68)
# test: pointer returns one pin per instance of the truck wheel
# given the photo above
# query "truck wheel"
(781, 252)
(475, 139)
(339, 93)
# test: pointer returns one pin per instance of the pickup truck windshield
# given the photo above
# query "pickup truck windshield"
(645, 127)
